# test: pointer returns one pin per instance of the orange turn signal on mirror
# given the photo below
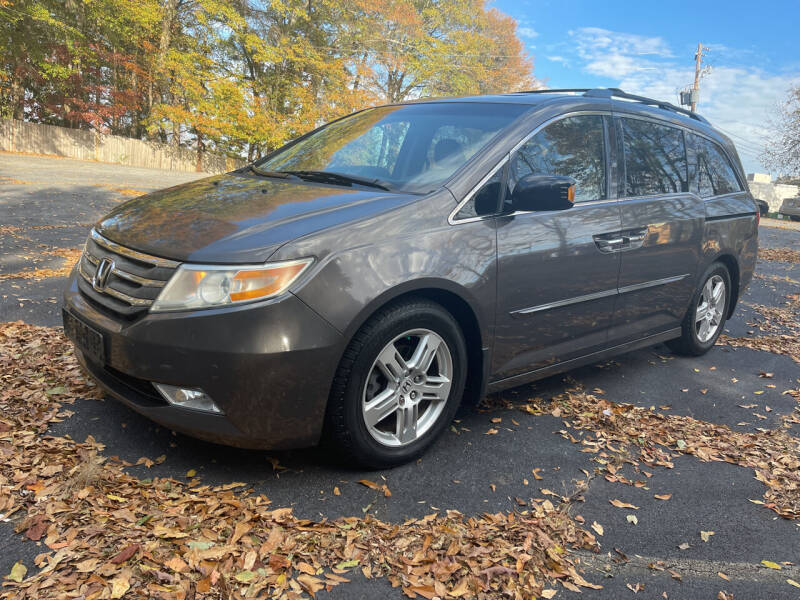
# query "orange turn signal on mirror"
(261, 283)
(571, 194)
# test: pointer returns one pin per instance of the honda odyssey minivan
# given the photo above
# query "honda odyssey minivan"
(357, 283)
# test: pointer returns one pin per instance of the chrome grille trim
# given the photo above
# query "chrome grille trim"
(129, 276)
(114, 293)
(140, 256)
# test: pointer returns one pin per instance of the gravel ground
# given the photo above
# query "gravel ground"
(48, 205)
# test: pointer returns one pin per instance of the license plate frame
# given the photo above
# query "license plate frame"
(86, 338)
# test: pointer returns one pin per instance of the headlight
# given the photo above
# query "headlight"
(206, 286)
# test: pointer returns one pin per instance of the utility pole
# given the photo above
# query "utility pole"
(698, 63)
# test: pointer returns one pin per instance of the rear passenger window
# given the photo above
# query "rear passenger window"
(655, 158)
(571, 147)
(711, 172)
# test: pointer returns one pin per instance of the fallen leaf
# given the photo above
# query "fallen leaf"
(662, 496)
(684, 546)
(125, 554)
(725, 577)
(632, 519)
(793, 582)
(120, 585)
(548, 594)
(598, 528)
(18, 572)
(706, 535)
(191, 473)
(621, 504)
(336, 491)
(771, 565)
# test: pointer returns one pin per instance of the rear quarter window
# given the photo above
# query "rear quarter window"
(712, 173)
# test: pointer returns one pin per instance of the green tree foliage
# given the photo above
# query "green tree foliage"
(243, 77)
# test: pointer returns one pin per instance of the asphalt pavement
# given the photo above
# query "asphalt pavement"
(47, 207)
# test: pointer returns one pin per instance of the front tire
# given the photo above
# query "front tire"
(398, 385)
(707, 313)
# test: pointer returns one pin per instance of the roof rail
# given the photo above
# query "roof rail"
(618, 93)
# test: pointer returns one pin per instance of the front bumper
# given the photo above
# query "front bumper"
(268, 366)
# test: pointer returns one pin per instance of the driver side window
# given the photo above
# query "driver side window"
(572, 147)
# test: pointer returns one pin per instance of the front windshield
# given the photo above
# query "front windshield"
(412, 148)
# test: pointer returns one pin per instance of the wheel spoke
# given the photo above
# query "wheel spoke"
(380, 407)
(391, 363)
(435, 388)
(424, 353)
(717, 293)
(407, 417)
(703, 333)
(708, 291)
(702, 312)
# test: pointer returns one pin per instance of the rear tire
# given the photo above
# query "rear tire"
(398, 385)
(708, 311)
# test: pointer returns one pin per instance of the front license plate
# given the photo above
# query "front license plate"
(86, 339)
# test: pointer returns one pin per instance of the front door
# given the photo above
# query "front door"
(557, 271)
(663, 225)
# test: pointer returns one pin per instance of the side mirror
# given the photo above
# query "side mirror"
(543, 192)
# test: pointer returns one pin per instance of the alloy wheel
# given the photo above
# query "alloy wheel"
(407, 387)
(710, 307)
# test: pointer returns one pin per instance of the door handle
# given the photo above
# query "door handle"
(636, 237)
(610, 242)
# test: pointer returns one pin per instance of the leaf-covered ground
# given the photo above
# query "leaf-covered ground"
(107, 534)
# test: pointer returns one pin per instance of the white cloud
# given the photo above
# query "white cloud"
(592, 40)
(737, 100)
(558, 59)
(527, 32)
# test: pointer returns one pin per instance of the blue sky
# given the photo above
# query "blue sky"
(648, 48)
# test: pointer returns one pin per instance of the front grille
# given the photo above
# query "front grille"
(134, 279)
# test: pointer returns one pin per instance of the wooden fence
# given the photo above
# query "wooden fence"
(21, 136)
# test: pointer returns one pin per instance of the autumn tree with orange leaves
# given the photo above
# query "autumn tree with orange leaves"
(242, 77)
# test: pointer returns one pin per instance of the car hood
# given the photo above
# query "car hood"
(234, 218)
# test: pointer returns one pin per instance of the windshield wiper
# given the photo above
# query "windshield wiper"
(277, 174)
(340, 179)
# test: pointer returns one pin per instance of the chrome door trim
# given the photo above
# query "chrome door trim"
(648, 284)
(451, 218)
(597, 295)
(560, 303)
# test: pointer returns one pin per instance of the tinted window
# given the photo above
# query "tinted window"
(655, 158)
(486, 200)
(414, 147)
(570, 147)
(712, 172)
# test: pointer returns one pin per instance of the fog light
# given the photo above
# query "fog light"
(187, 398)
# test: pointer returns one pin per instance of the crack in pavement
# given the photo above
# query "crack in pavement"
(613, 566)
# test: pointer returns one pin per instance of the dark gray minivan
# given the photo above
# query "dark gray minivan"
(357, 283)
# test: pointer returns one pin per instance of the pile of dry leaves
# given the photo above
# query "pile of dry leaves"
(779, 254)
(652, 438)
(106, 534)
(782, 323)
